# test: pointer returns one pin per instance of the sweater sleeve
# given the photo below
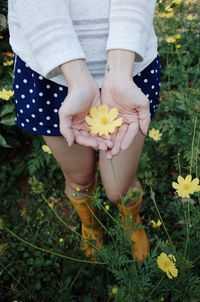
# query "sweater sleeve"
(49, 31)
(130, 22)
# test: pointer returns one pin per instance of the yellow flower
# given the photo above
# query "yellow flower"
(178, 46)
(1, 37)
(155, 134)
(167, 265)
(107, 207)
(61, 240)
(165, 15)
(170, 39)
(50, 204)
(8, 63)
(186, 186)
(23, 212)
(178, 36)
(168, 8)
(156, 224)
(77, 189)
(6, 94)
(102, 120)
(45, 148)
(191, 17)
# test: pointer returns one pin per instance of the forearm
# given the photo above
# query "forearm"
(120, 63)
(75, 71)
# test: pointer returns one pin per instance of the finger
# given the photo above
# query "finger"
(144, 119)
(109, 154)
(108, 143)
(66, 129)
(84, 140)
(118, 139)
(132, 131)
(101, 144)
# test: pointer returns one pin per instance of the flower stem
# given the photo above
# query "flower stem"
(49, 251)
(154, 201)
(18, 282)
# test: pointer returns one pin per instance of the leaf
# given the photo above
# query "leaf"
(8, 120)
(7, 109)
(3, 142)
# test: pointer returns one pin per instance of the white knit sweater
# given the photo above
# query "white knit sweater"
(48, 33)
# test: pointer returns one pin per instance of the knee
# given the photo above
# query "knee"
(82, 180)
(115, 194)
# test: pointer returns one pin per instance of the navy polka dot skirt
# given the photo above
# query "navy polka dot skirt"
(37, 99)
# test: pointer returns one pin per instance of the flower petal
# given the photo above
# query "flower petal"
(113, 113)
(195, 181)
(172, 257)
(188, 178)
(175, 185)
(103, 109)
(173, 271)
(180, 179)
(89, 120)
(118, 122)
(94, 112)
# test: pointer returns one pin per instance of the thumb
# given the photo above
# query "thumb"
(66, 127)
(144, 119)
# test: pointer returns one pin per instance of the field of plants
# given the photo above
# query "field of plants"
(40, 259)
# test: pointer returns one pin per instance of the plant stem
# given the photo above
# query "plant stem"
(24, 288)
(49, 251)
(154, 201)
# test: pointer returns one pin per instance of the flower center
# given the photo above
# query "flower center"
(167, 264)
(104, 120)
(186, 186)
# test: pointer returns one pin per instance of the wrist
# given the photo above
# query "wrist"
(75, 72)
(120, 63)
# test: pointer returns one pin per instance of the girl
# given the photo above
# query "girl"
(71, 55)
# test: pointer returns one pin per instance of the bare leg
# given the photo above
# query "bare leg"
(77, 163)
(125, 166)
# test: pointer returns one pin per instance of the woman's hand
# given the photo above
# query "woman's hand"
(83, 93)
(121, 92)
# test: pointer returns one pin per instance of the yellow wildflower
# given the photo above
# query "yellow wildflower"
(102, 121)
(45, 148)
(50, 204)
(155, 134)
(177, 36)
(107, 207)
(168, 8)
(167, 265)
(23, 212)
(78, 189)
(170, 39)
(191, 17)
(61, 240)
(1, 37)
(178, 46)
(6, 94)
(165, 15)
(186, 186)
(8, 63)
(156, 224)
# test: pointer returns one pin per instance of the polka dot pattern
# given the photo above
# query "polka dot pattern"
(37, 99)
(149, 82)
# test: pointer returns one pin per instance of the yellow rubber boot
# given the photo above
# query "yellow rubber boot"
(92, 236)
(140, 243)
